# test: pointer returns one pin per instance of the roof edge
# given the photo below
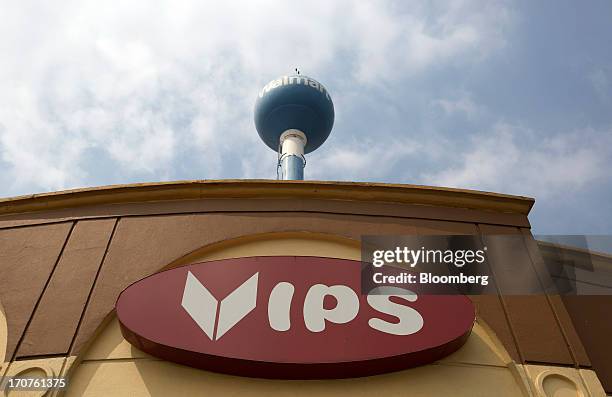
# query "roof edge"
(264, 188)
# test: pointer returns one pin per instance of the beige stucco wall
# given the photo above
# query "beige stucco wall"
(112, 366)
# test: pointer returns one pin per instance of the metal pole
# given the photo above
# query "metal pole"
(292, 159)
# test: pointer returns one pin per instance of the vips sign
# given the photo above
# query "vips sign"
(288, 318)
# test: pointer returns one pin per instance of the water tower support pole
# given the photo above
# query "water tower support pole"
(292, 160)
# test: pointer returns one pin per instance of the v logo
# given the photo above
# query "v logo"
(204, 308)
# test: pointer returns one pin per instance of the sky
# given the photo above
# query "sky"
(509, 97)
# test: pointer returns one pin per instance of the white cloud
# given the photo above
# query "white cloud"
(463, 104)
(156, 84)
(515, 160)
(391, 44)
(360, 160)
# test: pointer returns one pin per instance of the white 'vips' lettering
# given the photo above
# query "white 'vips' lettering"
(410, 321)
(202, 306)
(315, 314)
(279, 306)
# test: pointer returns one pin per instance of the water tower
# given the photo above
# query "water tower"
(294, 115)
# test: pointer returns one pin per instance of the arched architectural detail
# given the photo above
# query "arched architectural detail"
(296, 243)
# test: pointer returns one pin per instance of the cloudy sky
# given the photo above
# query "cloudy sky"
(506, 97)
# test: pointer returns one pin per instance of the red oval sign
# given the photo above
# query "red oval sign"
(288, 318)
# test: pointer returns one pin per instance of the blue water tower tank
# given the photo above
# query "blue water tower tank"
(294, 102)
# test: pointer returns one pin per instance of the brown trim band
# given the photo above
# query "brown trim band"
(235, 188)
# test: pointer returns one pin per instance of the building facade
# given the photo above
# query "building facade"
(65, 257)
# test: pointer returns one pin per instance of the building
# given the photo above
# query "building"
(65, 257)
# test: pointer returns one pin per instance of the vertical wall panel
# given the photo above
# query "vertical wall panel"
(27, 257)
(56, 318)
(537, 332)
(531, 317)
(573, 340)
